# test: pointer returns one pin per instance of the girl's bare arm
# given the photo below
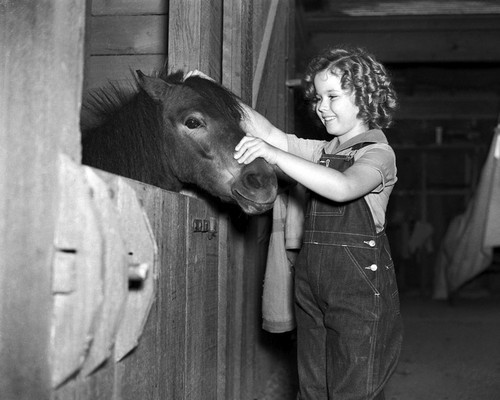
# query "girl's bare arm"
(351, 184)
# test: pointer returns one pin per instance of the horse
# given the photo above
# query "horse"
(176, 134)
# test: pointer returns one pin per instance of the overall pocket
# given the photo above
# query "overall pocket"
(366, 266)
(364, 281)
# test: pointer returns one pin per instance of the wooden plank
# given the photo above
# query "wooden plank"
(140, 245)
(201, 306)
(259, 70)
(235, 313)
(40, 91)
(195, 39)
(167, 214)
(259, 12)
(274, 73)
(237, 74)
(435, 23)
(451, 79)
(237, 55)
(466, 107)
(418, 46)
(156, 370)
(236, 71)
(232, 45)
(136, 376)
(98, 386)
(78, 256)
(86, 47)
(115, 260)
(103, 69)
(118, 35)
(211, 38)
(223, 231)
(411, 39)
(129, 7)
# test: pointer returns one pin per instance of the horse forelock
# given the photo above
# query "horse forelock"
(224, 101)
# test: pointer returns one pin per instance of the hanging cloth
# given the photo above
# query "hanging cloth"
(467, 247)
(278, 314)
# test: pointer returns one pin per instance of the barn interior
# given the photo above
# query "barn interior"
(445, 68)
(200, 333)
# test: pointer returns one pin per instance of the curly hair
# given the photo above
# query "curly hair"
(360, 74)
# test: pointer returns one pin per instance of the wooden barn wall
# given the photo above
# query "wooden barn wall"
(202, 337)
(123, 36)
(177, 352)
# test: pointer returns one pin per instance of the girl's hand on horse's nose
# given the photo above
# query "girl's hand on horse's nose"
(250, 148)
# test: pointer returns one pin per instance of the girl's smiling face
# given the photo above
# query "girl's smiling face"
(335, 107)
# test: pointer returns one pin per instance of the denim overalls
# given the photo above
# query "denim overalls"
(347, 306)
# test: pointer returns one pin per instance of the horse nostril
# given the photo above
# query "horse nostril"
(255, 181)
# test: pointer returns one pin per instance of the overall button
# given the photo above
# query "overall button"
(372, 267)
(370, 243)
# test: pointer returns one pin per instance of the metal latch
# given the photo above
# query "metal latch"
(205, 225)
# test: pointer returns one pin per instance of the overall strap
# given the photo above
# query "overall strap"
(360, 145)
(354, 148)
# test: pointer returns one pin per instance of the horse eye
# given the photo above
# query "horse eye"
(193, 123)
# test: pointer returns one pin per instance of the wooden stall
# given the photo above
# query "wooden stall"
(72, 326)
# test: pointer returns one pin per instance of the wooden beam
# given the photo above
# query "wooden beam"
(195, 36)
(40, 79)
(439, 23)
(463, 107)
(412, 39)
(102, 69)
(261, 61)
(235, 25)
(140, 34)
(129, 7)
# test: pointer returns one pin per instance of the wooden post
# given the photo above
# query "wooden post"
(40, 90)
(194, 40)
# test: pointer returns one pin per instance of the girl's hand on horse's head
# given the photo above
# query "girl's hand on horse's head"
(195, 72)
(250, 148)
(255, 124)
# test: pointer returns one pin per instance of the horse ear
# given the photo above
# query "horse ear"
(156, 88)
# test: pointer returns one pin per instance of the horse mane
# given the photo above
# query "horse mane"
(102, 103)
(122, 127)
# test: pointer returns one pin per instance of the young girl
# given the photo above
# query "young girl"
(349, 328)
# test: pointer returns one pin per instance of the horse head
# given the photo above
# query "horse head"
(186, 135)
(201, 125)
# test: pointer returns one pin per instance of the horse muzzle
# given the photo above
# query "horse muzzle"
(256, 188)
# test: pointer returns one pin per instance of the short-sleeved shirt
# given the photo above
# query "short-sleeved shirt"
(379, 156)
